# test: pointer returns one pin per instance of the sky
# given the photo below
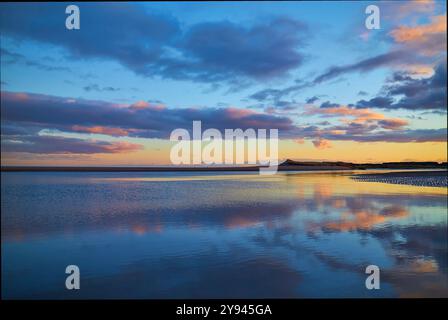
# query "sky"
(111, 92)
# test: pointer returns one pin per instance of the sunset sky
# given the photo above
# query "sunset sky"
(112, 92)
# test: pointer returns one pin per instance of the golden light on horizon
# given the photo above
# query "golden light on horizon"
(156, 152)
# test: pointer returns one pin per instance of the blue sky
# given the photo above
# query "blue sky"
(267, 58)
(330, 30)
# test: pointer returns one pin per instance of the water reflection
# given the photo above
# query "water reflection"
(193, 235)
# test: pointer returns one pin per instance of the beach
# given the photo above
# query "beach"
(416, 178)
(219, 235)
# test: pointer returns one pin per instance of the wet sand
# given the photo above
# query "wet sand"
(414, 178)
(169, 169)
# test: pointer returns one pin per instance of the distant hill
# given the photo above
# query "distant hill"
(288, 165)
(301, 165)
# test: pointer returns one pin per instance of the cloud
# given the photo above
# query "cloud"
(141, 105)
(155, 45)
(266, 94)
(377, 102)
(414, 49)
(364, 125)
(329, 105)
(275, 95)
(224, 51)
(9, 57)
(63, 145)
(428, 39)
(394, 58)
(393, 124)
(25, 115)
(95, 87)
(365, 65)
(281, 107)
(101, 130)
(322, 144)
(406, 92)
(402, 136)
(312, 99)
(333, 109)
(141, 119)
(261, 51)
(138, 36)
(411, 46)
(400, 57)
(420, 32)
(412, 7)
(362, 93)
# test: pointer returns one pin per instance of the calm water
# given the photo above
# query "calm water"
(226, 235)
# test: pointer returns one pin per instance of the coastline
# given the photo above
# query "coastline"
(288, 165)
(411, 178)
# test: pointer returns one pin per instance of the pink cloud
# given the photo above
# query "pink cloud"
(122, 147)
(142, 105)
(236, 113)
(393, 124)
(421, 32)
(322, 144)
(101, 130)
(359, 114)
(427, 39)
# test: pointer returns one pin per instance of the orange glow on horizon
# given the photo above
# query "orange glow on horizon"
(157, 153)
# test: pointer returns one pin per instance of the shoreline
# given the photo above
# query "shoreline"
(202, 169)
(285, 166)
(437, 179)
